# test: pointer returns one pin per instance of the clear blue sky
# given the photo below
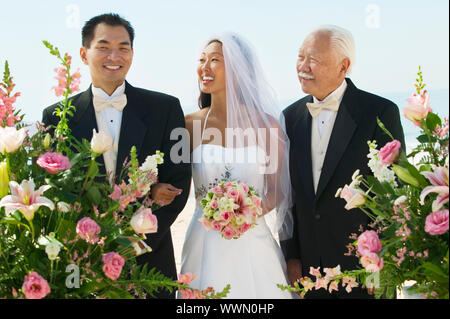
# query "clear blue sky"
(392, 39)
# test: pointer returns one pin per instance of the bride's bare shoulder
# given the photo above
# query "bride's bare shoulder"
(199, 115)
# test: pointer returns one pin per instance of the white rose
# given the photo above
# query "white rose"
(101, 142)
(11, 139)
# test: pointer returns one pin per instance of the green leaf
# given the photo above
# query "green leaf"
(94, 195)
(123, 241)
(424, 138)
(375, 186)
(432, 121)
(67, 197)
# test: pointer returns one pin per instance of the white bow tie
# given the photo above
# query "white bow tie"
(316, 108)
(118, 103)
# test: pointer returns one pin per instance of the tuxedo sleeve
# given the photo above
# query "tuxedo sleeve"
(391, 120)
(177, 174)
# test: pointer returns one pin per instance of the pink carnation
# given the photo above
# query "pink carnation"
(88, 230)
(437, 223)
(35, 287)
(113, 264)
(54, 162)
(389, 152)
(368, 242)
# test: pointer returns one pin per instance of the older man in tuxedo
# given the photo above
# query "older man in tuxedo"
(329, 130)
(132, 116)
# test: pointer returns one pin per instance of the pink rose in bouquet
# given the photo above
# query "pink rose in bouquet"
(112, 265)
(368, 242)
(437, 222)
(230, 208)
(389, 152)
(53, 162)
(35, 287)
(144, 222)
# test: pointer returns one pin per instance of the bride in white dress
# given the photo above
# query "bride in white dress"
(236, 100)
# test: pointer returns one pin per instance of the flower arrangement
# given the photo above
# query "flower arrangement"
(65, 231)
(231, 208)
(407, 200)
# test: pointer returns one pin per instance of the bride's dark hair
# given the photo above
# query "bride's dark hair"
(204, 100)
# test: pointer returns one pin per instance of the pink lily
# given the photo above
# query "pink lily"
(25, 199)
(439, 181)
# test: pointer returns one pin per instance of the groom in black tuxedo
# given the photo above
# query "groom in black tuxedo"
(132, 116)
(328, 131)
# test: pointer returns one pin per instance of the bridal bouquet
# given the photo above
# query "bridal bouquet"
(65, 232)
(407, 200)
(230, 208)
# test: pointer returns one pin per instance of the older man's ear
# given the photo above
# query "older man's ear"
(345, 65)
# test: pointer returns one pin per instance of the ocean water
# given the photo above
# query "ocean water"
(439, 102)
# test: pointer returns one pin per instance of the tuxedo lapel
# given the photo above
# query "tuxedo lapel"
(342, 133)
(84, 121)
(132, 130)
(302, 133)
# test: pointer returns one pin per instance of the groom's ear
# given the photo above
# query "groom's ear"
(83, 51)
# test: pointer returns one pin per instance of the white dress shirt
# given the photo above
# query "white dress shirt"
(110, 119)
(327, 117)
(111, 116)
(321, 128)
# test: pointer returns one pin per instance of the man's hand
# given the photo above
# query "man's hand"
(294, 270)
(163, 194)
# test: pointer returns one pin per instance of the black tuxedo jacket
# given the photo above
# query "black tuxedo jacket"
(147, 121)
(322, 225)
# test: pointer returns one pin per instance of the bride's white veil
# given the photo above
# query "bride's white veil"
(255, 118)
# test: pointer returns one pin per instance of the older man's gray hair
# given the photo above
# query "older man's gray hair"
(342, 40)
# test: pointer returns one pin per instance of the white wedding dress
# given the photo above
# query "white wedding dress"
(253, 265)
